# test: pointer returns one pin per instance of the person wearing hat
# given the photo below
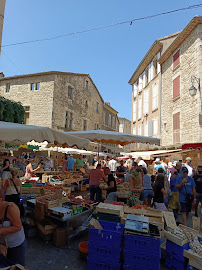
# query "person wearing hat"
(198, 181)
(189, 166)
(157, 165)
(71, 162)
(48, 164)
(187, 193)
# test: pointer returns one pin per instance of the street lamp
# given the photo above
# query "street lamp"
(192, 89)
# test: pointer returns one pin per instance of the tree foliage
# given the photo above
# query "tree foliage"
(11, 111)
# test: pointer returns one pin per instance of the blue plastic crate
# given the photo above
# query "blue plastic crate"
(110, 236)
(141, 260)
(135, 267)
(176, 250)
(103, 253)
(173, 263)
(94, 264)
(143, 244)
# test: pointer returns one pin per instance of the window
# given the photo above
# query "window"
(176, 128)
(155, 90)
(139, 130)
(146, 129)
(135, 89)
(155, 126)
(158, 65)
(8, 87)
(86, 84)
(146, 102)
(96, 126)
(97, 107)
(113, 122)
(176, 59)
(37, 86)
(134, 131)
(110, 120)
(150, 72)
(134, 111)
(32, 86)
(144, 79)
(84, 124)
(86, 104)
(68, 120)
(140, 108)
(176, 87)
(140, 83)
(104, 118)
(27, 114)
(70, 92)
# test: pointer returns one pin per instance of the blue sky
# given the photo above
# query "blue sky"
(110, 55)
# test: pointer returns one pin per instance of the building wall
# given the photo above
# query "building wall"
(153, 115)
(110, 120)
(2, 8)
(124, 125)
(40, 101)
(190, 65)
(82, 105)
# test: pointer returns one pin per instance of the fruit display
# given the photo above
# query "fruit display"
(179, 233)
(196, 247)
(139, 206)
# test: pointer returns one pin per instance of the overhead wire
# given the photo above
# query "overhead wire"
(105, 26)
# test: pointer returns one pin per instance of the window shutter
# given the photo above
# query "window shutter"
(144, 79)
(155, 97)
(158, 65)
(146, 102)
(134, 131)
(146, 129)
(176, 87)
(134, 111)
(152, 71)
(140, 83)
(155, 126)
(176, 128)
(150, 128)
(139, 130)
(176, 59)
(135, 89)
(140, 108)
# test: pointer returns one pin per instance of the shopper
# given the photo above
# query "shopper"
(13, 231)
(48, 164)
(187, 193)
(129, 162)
(160, 192)
(136, 187)
(189, 166)
(147, 192)
(96, 176)
(111, 189)
(80, 162)
(64, 165)
(141, 162)
(174, 201)
(157, 166)
(198, 181)
(113, 165)
(29, 170)
(121, 171)
(6, 168)
(71, 162)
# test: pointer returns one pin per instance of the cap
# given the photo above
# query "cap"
(184, 169)
(188, 158)
(157, 160)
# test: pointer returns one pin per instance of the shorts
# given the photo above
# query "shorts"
(186, 208)
(199, 197)
(5, 174)
(147, 194)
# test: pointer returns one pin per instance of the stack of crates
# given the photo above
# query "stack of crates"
(174, 256)
(141, 252)
(105, 246)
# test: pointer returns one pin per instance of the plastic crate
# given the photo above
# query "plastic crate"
(107, 217)
(175, 250)
(142, 244)
(174, 263)
(141, 260)
(134, 267)
(101, 252)
(94, 264)
(110, 236)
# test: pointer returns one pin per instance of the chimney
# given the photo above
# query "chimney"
(2, 75)
(108, 103)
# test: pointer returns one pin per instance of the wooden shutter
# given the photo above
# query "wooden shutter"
(140, 108)
(176, 128)
(135, 89)
(146, 102)
(144, 79)
(134, 111)
(176, 87)
(176, 59)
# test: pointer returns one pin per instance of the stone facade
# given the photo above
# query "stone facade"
(124, 125)
(110, 118)
(59, 100)
(188, 107)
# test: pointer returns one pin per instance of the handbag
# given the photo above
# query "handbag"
(16, 196)
(189, 197)
(4, 247)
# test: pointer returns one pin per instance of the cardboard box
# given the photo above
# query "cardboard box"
(150, 212)
(110, 209)
(39, 211)
(46, 226)
(60, 237)
(94, 223)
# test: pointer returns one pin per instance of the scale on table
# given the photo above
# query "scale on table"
(137, 223)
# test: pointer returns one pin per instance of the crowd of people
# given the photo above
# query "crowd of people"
(176, 186)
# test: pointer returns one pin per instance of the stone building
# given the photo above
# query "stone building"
(124, 125)
(146, 90)
(60, 100)
(2, 8)
(181, 108)
(110, 118)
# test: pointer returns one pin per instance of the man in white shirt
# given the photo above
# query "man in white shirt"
(141, 162)
(189, 166)
(112, 166)
(129, 162)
